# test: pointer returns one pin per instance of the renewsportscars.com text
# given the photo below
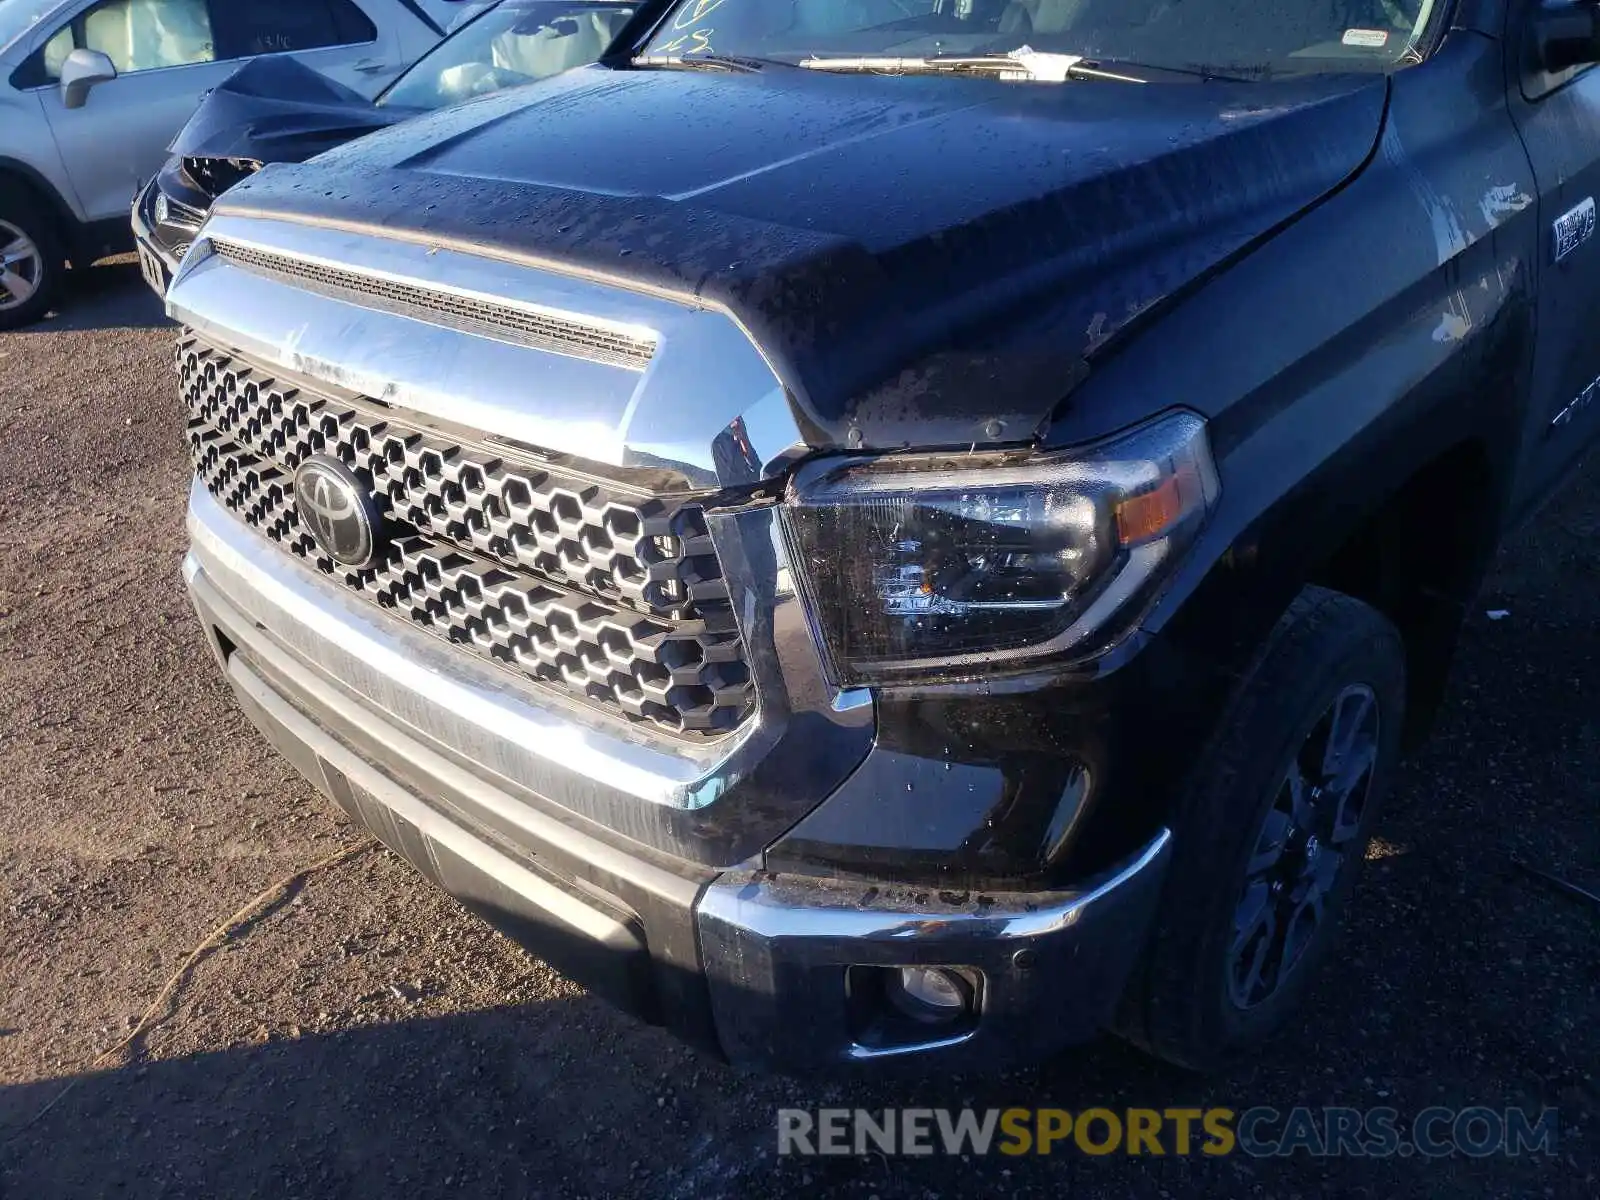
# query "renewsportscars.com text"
(1474, 1132)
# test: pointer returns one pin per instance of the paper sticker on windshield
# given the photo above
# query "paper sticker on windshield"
(1375, 38)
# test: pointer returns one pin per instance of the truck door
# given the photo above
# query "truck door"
(1559, 118)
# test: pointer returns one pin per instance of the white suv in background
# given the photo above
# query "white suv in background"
(91, 92)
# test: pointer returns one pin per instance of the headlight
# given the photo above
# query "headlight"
(934, 567)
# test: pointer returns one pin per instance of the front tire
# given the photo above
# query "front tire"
(1271, 834)
(31, 259)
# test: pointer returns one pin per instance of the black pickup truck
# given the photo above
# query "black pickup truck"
(900, 529)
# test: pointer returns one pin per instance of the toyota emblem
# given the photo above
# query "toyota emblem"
(337, 510)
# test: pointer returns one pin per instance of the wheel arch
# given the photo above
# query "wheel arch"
(19, 174)
(1419, 557)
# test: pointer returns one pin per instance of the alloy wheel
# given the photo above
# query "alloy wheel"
(21, 267)
(1303, 847)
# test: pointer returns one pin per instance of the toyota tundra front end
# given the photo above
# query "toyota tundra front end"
(924, 555)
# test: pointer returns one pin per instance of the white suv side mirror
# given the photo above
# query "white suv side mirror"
(82, 70)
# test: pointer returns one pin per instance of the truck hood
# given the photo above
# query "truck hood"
(920, 259)
(277, 109)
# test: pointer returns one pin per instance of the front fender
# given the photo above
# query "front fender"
(1389, 325)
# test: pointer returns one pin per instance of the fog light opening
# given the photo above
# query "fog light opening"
(900, 1009)
(931, 995)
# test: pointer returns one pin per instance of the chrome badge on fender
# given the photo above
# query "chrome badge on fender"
(1573, 228)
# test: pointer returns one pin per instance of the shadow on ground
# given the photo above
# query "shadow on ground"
(567, 1098)
(111, 295)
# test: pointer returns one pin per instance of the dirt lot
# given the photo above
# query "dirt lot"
(364, 1037)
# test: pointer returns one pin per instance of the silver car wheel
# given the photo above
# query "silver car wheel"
(21, 267)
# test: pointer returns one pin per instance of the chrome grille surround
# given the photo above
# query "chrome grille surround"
(543, 330)
(574, 582)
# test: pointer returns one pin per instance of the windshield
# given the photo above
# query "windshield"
(19, 16)
(515, 42)
(1242, 38)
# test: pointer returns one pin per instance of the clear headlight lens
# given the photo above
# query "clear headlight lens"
(940, 566)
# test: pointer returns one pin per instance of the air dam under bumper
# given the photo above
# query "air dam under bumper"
(752, 964)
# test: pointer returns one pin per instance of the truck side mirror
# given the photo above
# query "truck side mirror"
(82, 70)
(1567, 35)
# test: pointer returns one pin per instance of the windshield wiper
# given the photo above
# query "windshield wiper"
(1201, 72)
(699, 62)
(1022, 63)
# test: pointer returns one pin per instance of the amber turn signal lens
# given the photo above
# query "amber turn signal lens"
(1151, 514)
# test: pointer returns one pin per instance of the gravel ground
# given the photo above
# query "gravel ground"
(362, 1036)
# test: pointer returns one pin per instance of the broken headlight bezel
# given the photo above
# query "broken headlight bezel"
(941, 567)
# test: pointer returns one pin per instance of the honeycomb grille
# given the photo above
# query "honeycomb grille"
(574, 583)
(544, 331)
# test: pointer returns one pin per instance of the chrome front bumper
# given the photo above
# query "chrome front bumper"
(539, 822)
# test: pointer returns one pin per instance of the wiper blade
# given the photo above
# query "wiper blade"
(1096, 68)
(1023, 63)
(699, 62)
